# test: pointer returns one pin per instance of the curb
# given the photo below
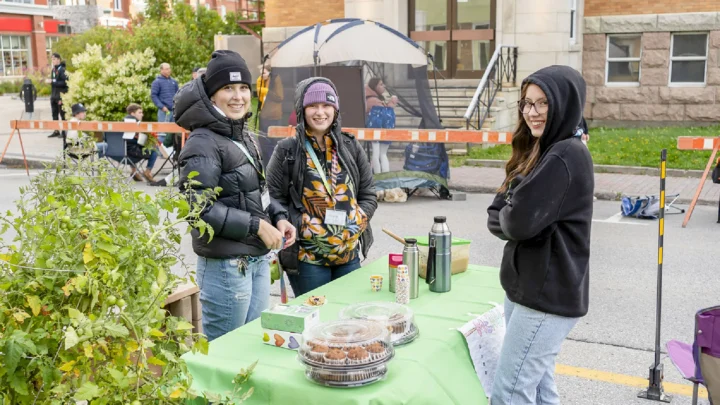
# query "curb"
(634, 170)
(12, 162)
(600, 195)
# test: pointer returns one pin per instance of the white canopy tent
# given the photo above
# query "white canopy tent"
(345, 40)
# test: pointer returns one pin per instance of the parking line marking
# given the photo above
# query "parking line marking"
(628, 380)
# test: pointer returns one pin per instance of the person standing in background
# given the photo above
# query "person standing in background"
(58, 82)
(162, 92)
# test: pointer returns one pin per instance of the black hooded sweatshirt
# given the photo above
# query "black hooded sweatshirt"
(546, 216)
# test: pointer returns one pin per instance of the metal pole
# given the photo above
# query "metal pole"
(655, 390)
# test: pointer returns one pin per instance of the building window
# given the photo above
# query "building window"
(573, 21)
(15, 53)
(49, 43)
(623, 59)
(117, 4)
(688, 58)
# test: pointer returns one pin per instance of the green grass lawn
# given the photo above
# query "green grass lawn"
(626, 147)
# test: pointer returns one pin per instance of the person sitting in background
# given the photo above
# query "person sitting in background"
(76, 140)
(136, 144)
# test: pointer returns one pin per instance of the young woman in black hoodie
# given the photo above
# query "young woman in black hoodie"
(543, 210)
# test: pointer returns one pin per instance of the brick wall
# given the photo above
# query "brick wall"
(628, 7)
(294, 13)
(653, 99)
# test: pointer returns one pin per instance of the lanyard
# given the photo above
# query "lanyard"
(319, 169)
(250, 158)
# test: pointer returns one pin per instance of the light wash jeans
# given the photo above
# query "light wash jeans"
(229, 298)
(525, 373)
(164, 117)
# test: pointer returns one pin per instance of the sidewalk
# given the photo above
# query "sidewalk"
(608, 186)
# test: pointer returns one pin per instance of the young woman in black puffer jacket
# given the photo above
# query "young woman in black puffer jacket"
(232, 271)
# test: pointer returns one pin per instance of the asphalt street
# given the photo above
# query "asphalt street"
(614, 342)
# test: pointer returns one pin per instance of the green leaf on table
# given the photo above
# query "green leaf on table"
(87, 392)
(34, 304)
(71, 338)
(108, 247)
(116, 330)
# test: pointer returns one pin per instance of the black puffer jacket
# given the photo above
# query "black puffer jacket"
(289, 156)
(211, 153)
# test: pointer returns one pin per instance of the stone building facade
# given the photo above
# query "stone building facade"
(660, 67)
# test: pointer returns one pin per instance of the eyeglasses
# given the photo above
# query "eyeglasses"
(541, 107)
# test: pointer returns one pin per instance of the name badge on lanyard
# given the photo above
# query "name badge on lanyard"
(335, 217)
(265, 199)
(332, 216)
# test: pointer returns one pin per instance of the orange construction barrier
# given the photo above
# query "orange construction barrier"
(699, 143)
(90, 126)
(412, 135)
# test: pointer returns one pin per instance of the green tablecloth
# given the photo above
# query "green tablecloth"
(434, 369)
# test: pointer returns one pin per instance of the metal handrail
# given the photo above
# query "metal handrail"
(491, 70)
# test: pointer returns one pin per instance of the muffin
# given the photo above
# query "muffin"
(376, 350)
(335, 357)
(399, 326)
(318, 351)
(358, 355)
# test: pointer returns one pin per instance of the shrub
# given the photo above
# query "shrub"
(106, 85)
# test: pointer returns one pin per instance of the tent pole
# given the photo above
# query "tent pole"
(437, 96)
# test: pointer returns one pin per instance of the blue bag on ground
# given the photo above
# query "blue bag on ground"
(647, 207)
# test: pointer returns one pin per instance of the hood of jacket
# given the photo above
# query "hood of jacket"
(193, 109)
(60, 65)
(300, 90)
(564, 88)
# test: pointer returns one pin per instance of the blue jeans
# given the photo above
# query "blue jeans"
(313, 276)
(152, 159)
(164, 117)
(525, 373)
(229, 298)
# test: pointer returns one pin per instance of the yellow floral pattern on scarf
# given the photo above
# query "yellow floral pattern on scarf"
(320, 243)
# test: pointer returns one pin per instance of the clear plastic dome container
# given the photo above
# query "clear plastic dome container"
(398, 319)
(345, 342)
(346, 353)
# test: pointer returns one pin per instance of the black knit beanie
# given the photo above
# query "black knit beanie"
(225, 67)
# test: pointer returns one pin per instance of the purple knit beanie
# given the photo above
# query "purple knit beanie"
(320, 92)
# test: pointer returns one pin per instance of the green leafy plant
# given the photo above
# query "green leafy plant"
(85, 268)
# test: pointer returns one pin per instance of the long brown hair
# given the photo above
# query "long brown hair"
(525, 150)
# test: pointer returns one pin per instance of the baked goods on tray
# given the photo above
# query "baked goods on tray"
(397, 318)
(346, 353)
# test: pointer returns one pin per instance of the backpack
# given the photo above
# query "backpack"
(427, 157)
(647, 207)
